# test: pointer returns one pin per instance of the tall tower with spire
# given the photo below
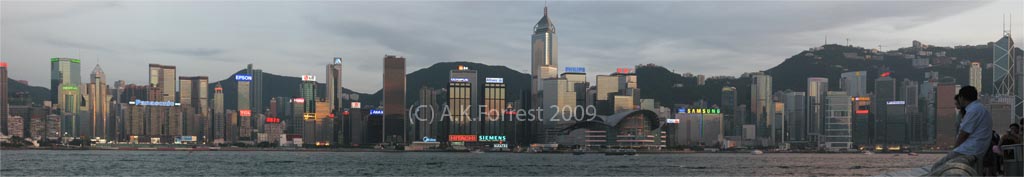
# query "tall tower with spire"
(544, 63)
(98, 106)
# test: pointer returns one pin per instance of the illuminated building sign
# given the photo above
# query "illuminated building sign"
(862, 111)
(429, 139)
(154, 103)
(491, 138)
(623, 70)
(885, 74)
(337, 60)
(459, 79)
(700, 111)
(671, 121)
(494, 80)
(309, 116)
(244, 112)
(243, 77)
(273, 120)
(308, 78)
(69, 88)
(500, 145)
(575, 70)
(299, 100)
(895, 102)
(463, 67)
(376, 112)
(218, 89)
(3, 64)
(356, 104)
(462, 138)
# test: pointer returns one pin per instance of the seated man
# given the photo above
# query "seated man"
(975, 133)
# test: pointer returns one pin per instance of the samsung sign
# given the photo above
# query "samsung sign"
(494, 80)
(243, 77)
(575, 70)
(459, 79)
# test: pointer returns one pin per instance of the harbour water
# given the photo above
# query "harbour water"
(263, 163)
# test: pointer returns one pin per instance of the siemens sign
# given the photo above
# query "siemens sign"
(243, 77)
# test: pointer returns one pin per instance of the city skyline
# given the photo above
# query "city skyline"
(592, 32)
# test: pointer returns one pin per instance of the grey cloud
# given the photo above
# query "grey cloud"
(198, 52)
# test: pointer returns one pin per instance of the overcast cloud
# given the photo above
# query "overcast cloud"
(293, 38)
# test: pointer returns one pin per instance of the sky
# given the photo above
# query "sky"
(293, 38)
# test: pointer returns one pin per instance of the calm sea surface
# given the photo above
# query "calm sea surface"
(262, 163)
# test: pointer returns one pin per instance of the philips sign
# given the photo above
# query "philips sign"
(575, 70)
(494, 80)
(243, 77)
(459, 79)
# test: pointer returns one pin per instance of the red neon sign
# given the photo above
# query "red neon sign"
(245, 113)
(273, 120)
(299, 100)
(462, 138)
(886, 74)
(862, 111)
(623, 70)
(345, 113)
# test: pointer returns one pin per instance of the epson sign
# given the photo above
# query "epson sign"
(243, 77)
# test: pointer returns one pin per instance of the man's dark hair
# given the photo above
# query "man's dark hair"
(1014, 125)
(968, 93)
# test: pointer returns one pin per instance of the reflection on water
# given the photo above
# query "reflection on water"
(146, 163)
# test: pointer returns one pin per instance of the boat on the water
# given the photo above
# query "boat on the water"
(757, 152)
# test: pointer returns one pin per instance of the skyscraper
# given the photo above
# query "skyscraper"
(975, 75)
(761, 104)
(335, 93)
(463, 101)
(1002, 65)
(854, 83)
(796, 116)
(544, 57)
(885, 91)
(255, 90)
(494, 100)
(98, 102)
(837, 135)
(817, 88)
(65, 79)
(394, 99)
(193, 97)
(334, 88)
(244, 104)
(4, 103)
(307, 90)
(219, 120)
(162, 77)
(731, 121)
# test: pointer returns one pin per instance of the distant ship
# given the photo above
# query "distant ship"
(757, 152)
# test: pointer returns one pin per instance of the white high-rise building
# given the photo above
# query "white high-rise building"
(837, 134)
(976, 76)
